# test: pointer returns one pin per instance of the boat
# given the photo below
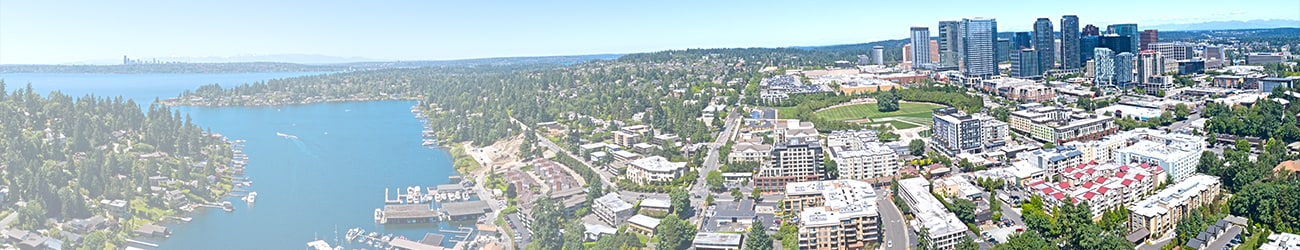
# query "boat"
(286, 136)
(379, 215)
(226, 205)
(252, 197)
(186, 219)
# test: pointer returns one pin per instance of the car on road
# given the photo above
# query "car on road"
(890, 243)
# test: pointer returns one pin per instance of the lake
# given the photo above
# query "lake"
(332, 176)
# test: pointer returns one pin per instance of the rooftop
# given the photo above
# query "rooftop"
(842, 199)
(658, 164)
(613, 202)
(717, 239)
(1173, 195)
(655, 203)
(644, 221)
(928, 211)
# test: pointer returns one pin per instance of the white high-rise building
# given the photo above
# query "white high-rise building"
(920, 46)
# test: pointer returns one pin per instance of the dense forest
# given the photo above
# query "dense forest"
(63, 155)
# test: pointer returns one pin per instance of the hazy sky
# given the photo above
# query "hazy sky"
(74, 31)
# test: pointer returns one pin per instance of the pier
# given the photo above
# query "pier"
(407, 214)
(142, 243)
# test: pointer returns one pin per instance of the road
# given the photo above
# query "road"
(699, 191)
(605, 177)
(893, 225)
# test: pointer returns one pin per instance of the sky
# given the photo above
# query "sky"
(61, 32)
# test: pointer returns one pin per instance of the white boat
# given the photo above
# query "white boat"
(379, 214)
(252, 197)
(286, 136)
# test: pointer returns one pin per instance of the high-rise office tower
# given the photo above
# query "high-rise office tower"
(920, 46)
(1090, 30)
(981, 36)
(1022, 40)
(1124, 69)
(1148, 37)
(1044, 44)
(1070, 42)
(1004, 49)
(1128, 29)
(1116, 43)
(1087, 44)
(1104, 64)
(878, 53)
(1024, 64)
(950, 44)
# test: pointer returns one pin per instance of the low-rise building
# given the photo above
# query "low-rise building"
(859, 155)
(655, 169)
(1281, 241)
(945, 229)
(1059, 124)
(1104, 186)
(957, 186)
(717, 241)
(835, 214)
(611, 209)
(1053, 160)
(1157, 216)
(749, 152)
(655, 205)
(1176, 153)
(644, 225)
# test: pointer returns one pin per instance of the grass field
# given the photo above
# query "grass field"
(913, 112)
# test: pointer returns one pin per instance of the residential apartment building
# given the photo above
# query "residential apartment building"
(1103, 185)
(749, 152)
(1178, 157)
(945, 229)
(630, 135)
(980, 52)
(1070, 43)
(920, 46)
(859, 155)
(991, 129)
(1044, 44)
(654, 169)
(1104, 64)
(1053, 160)
(1157, 216)
(835, 214)
(611, 209)
(793, 160)
(955, 132)
(1173, 51)
(1060, 124)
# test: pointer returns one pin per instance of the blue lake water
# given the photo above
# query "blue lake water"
(332, 176)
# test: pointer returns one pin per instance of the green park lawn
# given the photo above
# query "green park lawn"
(906, 111)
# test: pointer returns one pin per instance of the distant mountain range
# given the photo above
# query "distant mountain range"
(1226, 25)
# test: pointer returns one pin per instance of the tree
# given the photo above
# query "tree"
(916, 147)
(965, 165)
(967, 244)
(681, 202)
(574, 235)
(737, 195)
(757, 238)
(32, 216)
(546, 225)
(756, 194)
(923, 240)
(1028, 240)
(964, 209)
(673, 233)
(621, 240)
(1049, 145)
(831, 168)
(887, 101)
(715, 181)
(1181, 111)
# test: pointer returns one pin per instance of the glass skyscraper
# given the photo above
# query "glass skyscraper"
(1020, 40)
(1024, 64)
(920, 46)
(1086, 46)
(980, 53)
(1129, 30)
(1070, 42)
(1044, 44)
(950, 44)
